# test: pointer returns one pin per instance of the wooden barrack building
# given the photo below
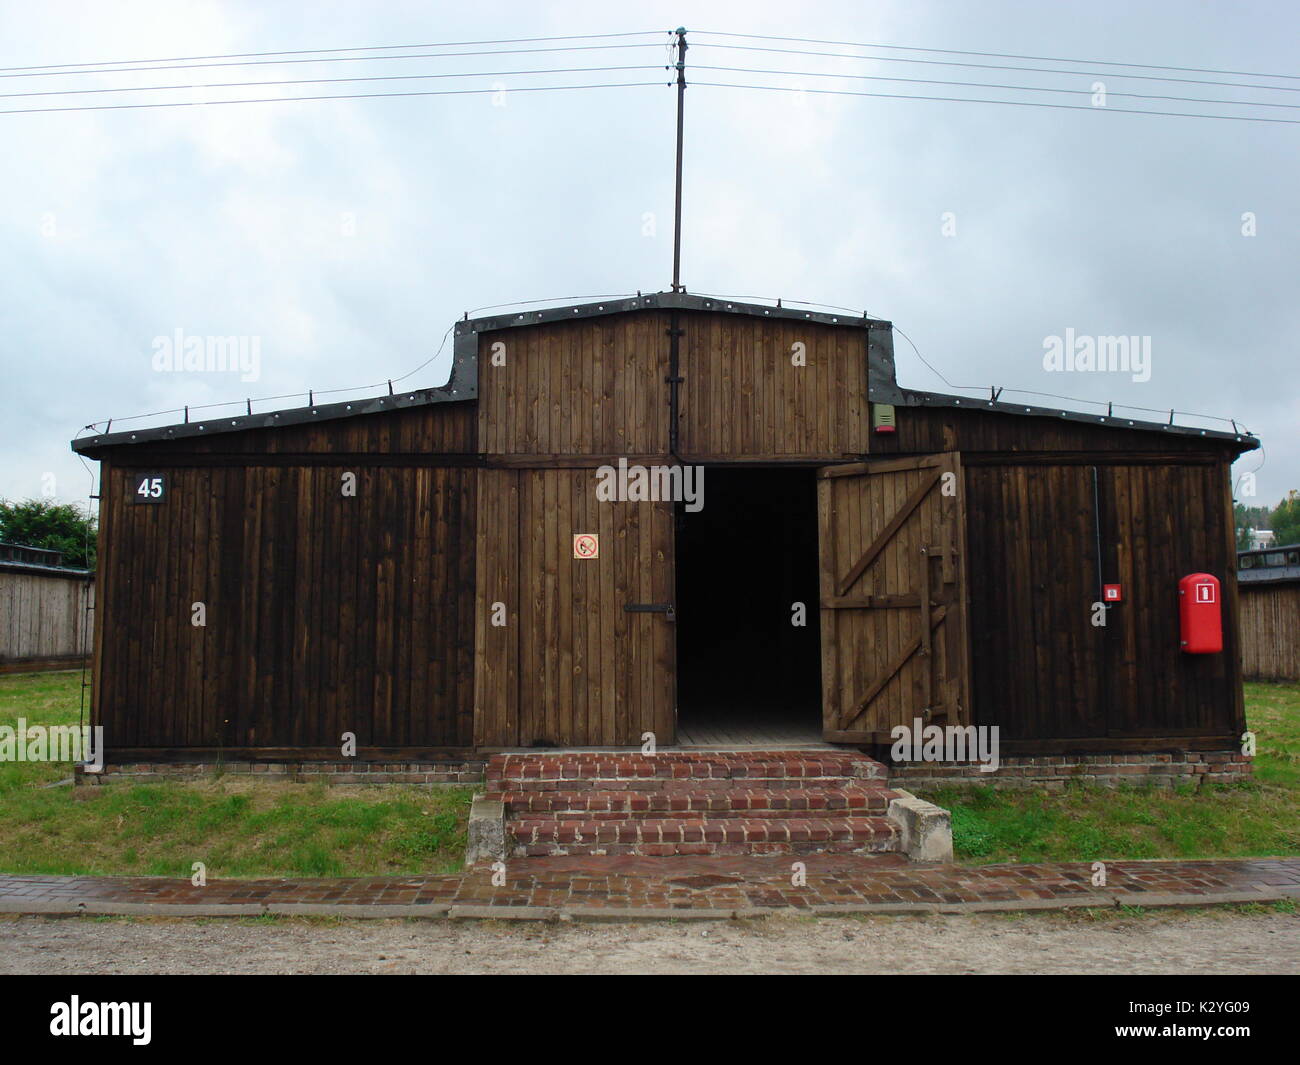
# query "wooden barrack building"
(408, 568)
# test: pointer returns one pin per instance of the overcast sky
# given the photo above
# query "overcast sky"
(347, 235)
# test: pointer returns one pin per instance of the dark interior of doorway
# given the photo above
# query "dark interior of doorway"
(746, 673)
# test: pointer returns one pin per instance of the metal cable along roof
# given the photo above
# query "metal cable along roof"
(462, 385)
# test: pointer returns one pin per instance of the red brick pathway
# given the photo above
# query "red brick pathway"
(634, 886)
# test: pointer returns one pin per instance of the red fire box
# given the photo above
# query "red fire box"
(1200, 619)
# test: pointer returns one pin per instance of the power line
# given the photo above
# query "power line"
(319, 81)
(1009, 103)
(287, 395)
(642, 84)
(1002, 55)
(332, 59)
(1066, 399)
(348, 96)
(356, 48)
(995, 66)
(989, 85)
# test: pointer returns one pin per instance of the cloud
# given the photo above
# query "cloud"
(347, 235)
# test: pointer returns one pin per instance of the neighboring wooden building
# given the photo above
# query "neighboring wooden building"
(954, 562)
(44, 611)
(1270, 612)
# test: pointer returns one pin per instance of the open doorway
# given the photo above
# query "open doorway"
(746, 673)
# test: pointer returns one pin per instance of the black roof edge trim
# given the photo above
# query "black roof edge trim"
(452, 392)
(649, 301)
(883, 387)
(908, 398)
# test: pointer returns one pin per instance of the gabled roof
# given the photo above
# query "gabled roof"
(462, 385)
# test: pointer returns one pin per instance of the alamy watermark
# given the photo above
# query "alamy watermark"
(53, 743)
(946, 743)
(1080, 353)
(208, 354)
(644, 484)
(78, 1018)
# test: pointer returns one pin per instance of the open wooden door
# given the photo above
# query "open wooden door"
(893, 596)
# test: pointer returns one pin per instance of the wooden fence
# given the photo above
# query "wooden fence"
(44, 621)
(1270, 630)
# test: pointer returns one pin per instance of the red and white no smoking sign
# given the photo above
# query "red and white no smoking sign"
(586, 545)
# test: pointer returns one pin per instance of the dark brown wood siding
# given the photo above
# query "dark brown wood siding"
(922, 430)
(326, 613)
(371, 615)
(435, 429)
(1040, 669)
(589, 387)
(745, 395)
(571, 666)
(598, 387)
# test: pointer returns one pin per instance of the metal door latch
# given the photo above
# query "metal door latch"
(652, 608)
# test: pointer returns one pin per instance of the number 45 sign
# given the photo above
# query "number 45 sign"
(149, 487)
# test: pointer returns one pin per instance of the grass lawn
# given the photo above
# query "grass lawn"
(241, 827)
(236, 826)
(1083, 823)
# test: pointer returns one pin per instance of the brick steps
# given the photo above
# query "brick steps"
(682, 798)
(692, 803)
(668, 836)
(766, 765)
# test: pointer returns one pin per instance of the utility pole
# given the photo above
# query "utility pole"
(681, 107)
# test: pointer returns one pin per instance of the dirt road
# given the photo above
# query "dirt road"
(1162, 942)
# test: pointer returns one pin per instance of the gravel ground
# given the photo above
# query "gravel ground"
(1216, 941)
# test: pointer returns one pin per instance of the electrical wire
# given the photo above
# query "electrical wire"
(992, 85)
(334, 59)
(1067, 399)
(994, 66)
(378, 384)
(345, 96)
(552, 299)
(311, 394)
(316, 51)
(783, 302)
(1009, 103)
(322, 81)
(606, 69)
(1001, 55)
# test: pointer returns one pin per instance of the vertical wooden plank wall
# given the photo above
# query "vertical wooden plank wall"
(497, 580)
(43, 618)
(1270, 630)
(597, 386)
(589, 387)
(570, 666)
(1041, 670)
(325, 613)
(590, 672)
(744, 396)
(375, 619)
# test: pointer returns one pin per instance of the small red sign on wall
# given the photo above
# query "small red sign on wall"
(1112, 593)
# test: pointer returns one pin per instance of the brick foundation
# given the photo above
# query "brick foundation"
(331, 773)
(1053, 772)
